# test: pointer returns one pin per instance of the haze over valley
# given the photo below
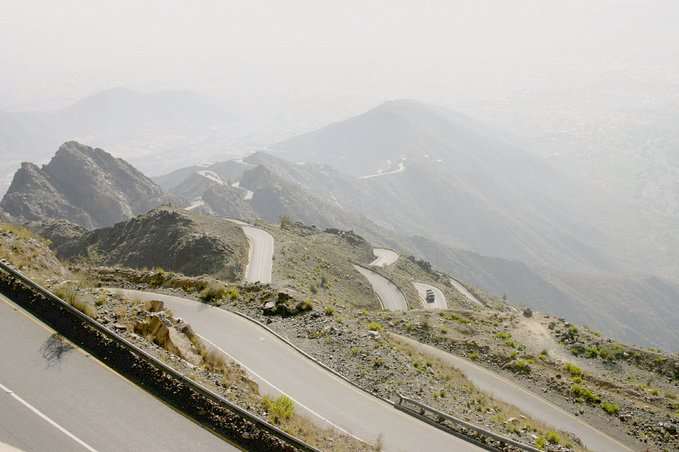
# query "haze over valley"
(471, 185)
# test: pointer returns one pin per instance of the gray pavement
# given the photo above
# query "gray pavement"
(260, 261)
(439, 300)
(55, 397)
(384, 257)
(279, 368)
(392, 298)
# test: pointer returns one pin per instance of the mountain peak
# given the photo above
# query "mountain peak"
(375, 141)
(85, 185)
(400, 105)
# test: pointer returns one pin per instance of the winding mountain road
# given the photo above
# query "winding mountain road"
(53, 396)
(384, 257)
(260, 256)
(439, 298)
(390, 295)
(278, 368)
(527, 401)
(463, 290)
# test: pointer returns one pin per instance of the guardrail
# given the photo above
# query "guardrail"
(166, 370)
(458, 424)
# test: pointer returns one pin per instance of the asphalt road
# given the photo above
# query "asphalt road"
(439, 300)
(260, 260)
(463, 290)
(392, 298)
(55, 397)
(384, 257)
(527, 401)
(279, 368)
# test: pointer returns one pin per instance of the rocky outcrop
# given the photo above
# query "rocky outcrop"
(172, 337)
(86, 186)
(166, 237)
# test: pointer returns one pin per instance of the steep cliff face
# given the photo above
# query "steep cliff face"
(87, 186)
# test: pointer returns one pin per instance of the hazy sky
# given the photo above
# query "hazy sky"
(309, 56)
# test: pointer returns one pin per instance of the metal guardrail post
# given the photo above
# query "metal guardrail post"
(459, 422)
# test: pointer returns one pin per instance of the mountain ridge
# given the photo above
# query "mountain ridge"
(85, 185)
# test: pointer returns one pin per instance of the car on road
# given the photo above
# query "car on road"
(430, 297)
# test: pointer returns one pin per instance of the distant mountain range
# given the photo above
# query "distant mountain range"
(142, 125)
(429, 171)
(456, 199)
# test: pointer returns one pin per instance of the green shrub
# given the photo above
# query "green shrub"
(503, 335)
(584, 393)
(374, 326)
(522, 366)
(454, 317)
(160, 277)
(573, 369)
(610, 408)
(307, 305)
(329, 310)
(592, 353)
(101, 299)
(540, 442)
(553, 437)
(474, 356)
(212, 292)
(280, 409)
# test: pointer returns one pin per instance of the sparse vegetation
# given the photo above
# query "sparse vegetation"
(553, 437)
(212, 293)
(573, 369)
(374, 326)
(610, 408)
(280, 409)
(585, 393)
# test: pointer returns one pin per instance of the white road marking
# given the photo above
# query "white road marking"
(259, 377)
(46, 418)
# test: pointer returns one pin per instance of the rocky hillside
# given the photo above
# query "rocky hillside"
(634, 308)
(257, 188)
(166, 237)
(630, 307)
(84, 185)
